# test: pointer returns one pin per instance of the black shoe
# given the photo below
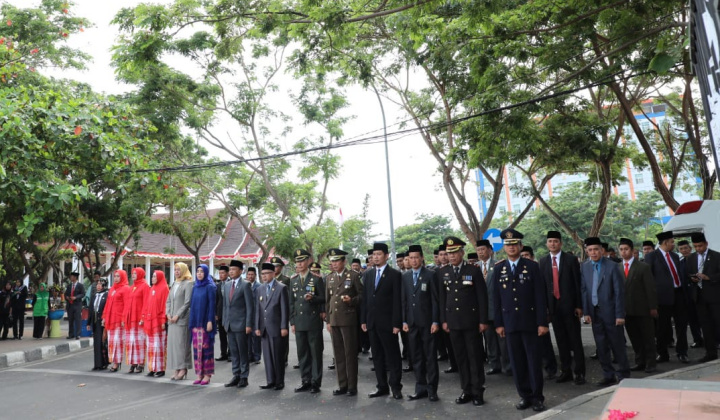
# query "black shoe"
(478, 400)
(707, 358)
(523, 404)
(550, 376)
(243, 383)
(442, 358)
(296, 366)
(493, 371)
(564, 377)
(397, 395)
(407, 369)
(340, 391)
(352, 392)
(151, 373)
(370, 358)
(450, 370)
(463, 398)
(279, 387)
(637, 368)
(538, 406)
(314, 389)
(268, 386)
(671, 345)
(697, 345)
(68, 338)
(379, 393)
(433, 397)
(662, 359)
(417, 396)
(331, 367)
(160, 374)
(594, 356)
(607, 382)
(650, 369)
(303, 387)
(683, 358)
(372, 368)
(233, 382)
(221, 358)
(580, 379)
(96, 368)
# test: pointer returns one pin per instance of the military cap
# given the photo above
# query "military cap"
(593, 240)
(277, 261)
(315, 266)
(664, 235)
(336, 254)
(224, 268)
(254, 270)
(380, 246)
(453, 244)
(415, 248)
(554, 234)
(626, 241)
(356, 260)
(268, 266)
(301, 255)
(483, 242)
(236, 263)
(649, 243)
(472, 256)
(511, 236)
(698, 237)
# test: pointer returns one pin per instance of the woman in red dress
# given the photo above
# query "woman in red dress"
(153, 322)
(135, 339)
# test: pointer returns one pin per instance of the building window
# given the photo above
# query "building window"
(639, 178)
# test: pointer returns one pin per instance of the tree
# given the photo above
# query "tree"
(428, 232)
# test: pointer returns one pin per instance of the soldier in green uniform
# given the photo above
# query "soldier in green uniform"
(282, 278)
(307, 307)
(343, 294)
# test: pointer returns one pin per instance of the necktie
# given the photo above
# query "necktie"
(596, 280)
(267, 292)
(232, 289)
(556, 278)
(457, 271)
(676, 279)
(627, 269)
(415, 277)
(72, 290)
(485, 269)
(377, 277)
(512, 268)
(700, 268)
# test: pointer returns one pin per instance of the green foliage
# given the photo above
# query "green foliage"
(428, 231)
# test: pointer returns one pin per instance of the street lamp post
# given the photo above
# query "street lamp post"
(387, 169)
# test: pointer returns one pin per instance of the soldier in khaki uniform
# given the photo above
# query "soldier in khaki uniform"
(307, 307)
(342, 295)
(282, 278)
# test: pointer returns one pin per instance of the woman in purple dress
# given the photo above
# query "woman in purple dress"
(202, 325)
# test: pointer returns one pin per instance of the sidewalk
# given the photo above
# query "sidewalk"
(18, 352)
(675, 392)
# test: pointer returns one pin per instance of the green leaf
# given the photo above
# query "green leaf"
(661, 63)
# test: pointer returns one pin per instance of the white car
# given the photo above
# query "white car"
(697, 216)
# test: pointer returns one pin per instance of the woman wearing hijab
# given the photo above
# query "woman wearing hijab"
(153, 322)
(135, 339)
(40, 310)
(113, 318)
(202, 325)
(177, 310)
(96, 309)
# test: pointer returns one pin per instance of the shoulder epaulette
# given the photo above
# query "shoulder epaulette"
(499, 262)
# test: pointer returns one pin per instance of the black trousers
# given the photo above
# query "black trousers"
(18, 321)
(386, 359)
(74, 313)
(223, 339)
(469, 354)
(100, 349)
(5, 324)
(548, 354)
(666, 313)
(526, 362)
(275, 352)
(568, 339)
(694, 323)
(38, 326)
(424, 359)
(641, 330)
(709, 314)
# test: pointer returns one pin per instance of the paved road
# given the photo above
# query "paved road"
(64, 387)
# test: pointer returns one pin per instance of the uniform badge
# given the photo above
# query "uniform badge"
(331, 293)
(504, 286)
(261, 298)
(424, 287)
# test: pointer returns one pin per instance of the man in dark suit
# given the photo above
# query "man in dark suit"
(381, 317)
(703, 269)
(342, 296)
(74, 294)
(307, 310)
(272, 314)
(464, 315)
(562, 278)
(238, 318)
(254, 342)
(640, 307)
(685, 251)
(95, 324)
(223, 272)
(521, 316)
(421, 321)
(671, 285)
(603, 297)
(496, 346)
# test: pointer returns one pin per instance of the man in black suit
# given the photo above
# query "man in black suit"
(671, 286)
(640, 307)
(381, 317)
(703, 269)
(74, 294)
(685, 251)
(238, 317)
(95, 324)
(223, 272)
(464, 315)
(421, 322)
(562, 278)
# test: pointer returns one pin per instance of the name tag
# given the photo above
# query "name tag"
(423, 287)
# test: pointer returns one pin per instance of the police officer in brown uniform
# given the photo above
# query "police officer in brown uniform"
(343, 293)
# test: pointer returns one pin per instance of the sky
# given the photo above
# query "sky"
(413, 171)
